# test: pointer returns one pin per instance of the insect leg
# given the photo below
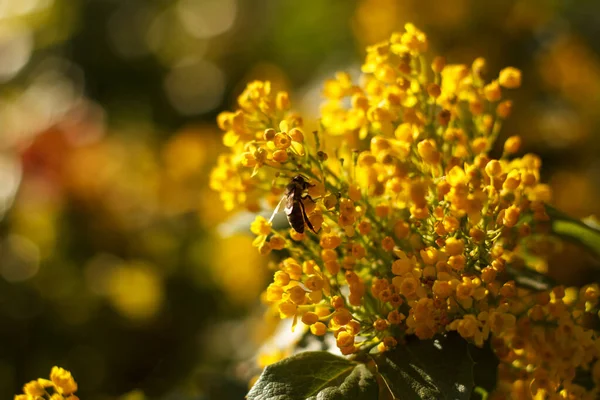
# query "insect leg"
(307, 196)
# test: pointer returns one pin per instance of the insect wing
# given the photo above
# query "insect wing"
(289, 204)
(277, 209)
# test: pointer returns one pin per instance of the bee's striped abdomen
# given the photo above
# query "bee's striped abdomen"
(295, 218)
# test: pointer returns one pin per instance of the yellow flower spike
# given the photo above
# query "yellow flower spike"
(446, 204)
(510, 78)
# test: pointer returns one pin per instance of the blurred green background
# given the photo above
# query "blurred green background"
(111, 263)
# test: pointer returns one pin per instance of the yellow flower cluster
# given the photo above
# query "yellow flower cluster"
(61, 386)
(419, 229)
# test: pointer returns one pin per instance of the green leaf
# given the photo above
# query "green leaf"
(312, 375)
(574, 230)
(435, 369)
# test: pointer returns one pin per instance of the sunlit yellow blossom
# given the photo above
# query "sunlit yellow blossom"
(61, 386)
(510, 78)
(417, 229)
(34, 388)
(63, 381)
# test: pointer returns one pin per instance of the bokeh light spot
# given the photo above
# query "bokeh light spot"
(16, 45)
(195, 87)
(135, 290)
(19, 258)
(206, 18)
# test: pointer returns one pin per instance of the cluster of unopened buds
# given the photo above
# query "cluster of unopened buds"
(60, 386)
(412, 227)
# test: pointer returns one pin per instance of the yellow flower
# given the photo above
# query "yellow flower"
(344, 339)
(282, 140)
(510, 78)
(318, 329)
(468, 326)
(260, 226)
(63, 381)
(454, 246)
(34, 388)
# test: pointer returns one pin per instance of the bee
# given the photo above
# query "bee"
(294, 205)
